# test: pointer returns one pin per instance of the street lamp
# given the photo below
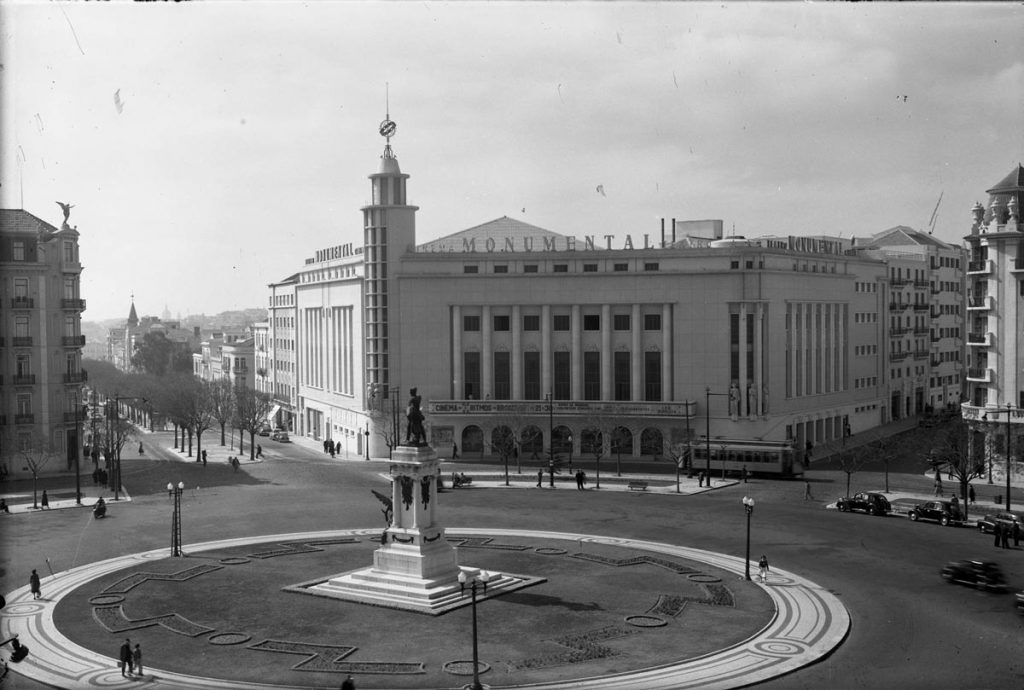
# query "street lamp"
(78, 446)
(366, 446)
(984, 417)
(479, 579)
(176, 517)
(748, 505)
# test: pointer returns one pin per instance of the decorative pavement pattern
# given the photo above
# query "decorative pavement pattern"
(809, 622)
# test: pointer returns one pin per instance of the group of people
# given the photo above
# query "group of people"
(1003, 533)
(581, 480)
(130, 659)
(234, 462)
(331, 447)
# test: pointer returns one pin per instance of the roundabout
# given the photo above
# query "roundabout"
(604, 612)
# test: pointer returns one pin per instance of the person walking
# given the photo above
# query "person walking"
(204, 457)
(744, 474)
(1016, 533)
(700, 479)
(455, 451)
(807, 491)
(938, 485)
(45, 501)
(997, 532)
(348, 684)
(970, 494)
(137, 658)
(126, 658)
(259, 450)
(3, 506)
(583, 478)
(33, 583)
(762, 566)
(540, 476)
(579, 480)
(1005, 532)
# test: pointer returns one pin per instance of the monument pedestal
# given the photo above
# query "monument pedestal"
(415, 568)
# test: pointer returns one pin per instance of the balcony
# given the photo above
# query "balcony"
(936, 338)
(979, 267)
(25, 418)
(936, 291)
(898, 356)
(898, 282)
(73, 340)
(22, 341)
(898, 306)
(22, 303)
(1000, 415)
(922, 284)
(76, 376)
(979, 303)
(24, 380)
(922, 330)
(935, 313)
(922, 308)
(897, 332)
(922, 354)
(979, 339)
(78, 304)
(936, 363)
(980, 375)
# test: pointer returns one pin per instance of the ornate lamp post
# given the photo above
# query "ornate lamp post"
(176, 517)
(479, 579)
(748, 506)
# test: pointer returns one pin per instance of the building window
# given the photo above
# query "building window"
(470, 269)
(734, 264)
(561, 373)
(470, 323)
(69, 252)
(22, 365)
(652, 376)
(70, 287)
(502, 376)
(18, 248)
(650, 266)
(652, 322)
(560, 322)
(531, 375)
(590, 268)
(471, 375)
(620, 322)
(531, 322)
(591, 375)
(21, 288)
(591, 322)
(561, 268)
(620, 375)
(621, 267)
(530, 268)
(21, 327)
(501, 322)
(501, 268)
(24, 403)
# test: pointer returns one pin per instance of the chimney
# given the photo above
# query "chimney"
(673, 231)
(662, 233)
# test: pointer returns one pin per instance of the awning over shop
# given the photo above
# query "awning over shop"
(273, 412)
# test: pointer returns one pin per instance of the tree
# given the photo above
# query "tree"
(252, 407)
(679, 453)
(36, 450)
(885, 449)
(199, 412)
(158, 355)
(953, 449)
(222, 404)
(503, 442)
(592, 441)
(850, 459)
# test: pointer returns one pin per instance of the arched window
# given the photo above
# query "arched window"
(622, 441)
(531, 440)
(651, 442)
(592, 442)
(561, 440)
(472, 440)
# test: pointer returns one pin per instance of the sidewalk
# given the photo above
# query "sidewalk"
(18, 494)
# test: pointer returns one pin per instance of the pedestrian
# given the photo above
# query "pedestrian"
(33, 583)
(807, 491)
(763, 567)
(259, 450)
(137, 658)
(337, 447)
(455, 451)
(3, 506)
(204, 457)
(744, 474)
(579, 481)
(1005, 532)
(141, 450)
(126, 658)
(584, 476)
(970, 493)
(1016, 533)
(46, 500)
(235, 462)
(330, 446)
(700, 479)
(540, 476)
(348, 684)
(938, 485)
(996, 530)
(325, 447)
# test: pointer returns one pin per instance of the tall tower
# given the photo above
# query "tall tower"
(389, 229)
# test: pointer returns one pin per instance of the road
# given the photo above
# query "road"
(909, 629)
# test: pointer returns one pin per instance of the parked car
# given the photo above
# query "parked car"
(942, 512)
(987, 524)
(872, 503)
(280, 435)
(264, 431)
(980, 574)
(1020, 602)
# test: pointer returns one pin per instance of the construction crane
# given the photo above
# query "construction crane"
(935, 214)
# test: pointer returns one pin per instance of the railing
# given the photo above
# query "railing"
(922, 354)
(22, 302)
(936, 338)
(24, 380)
(979, 374)
(983, 266)
(72, 304)
(898, 306)
(921, 308)
(899, 282)
(22, 341)
(896, 332)
(936, 363)
(24, 418)
(978, 339)
(898, 356)
(983, 302)
(922, 330)
(936, 291)
(72, 340)
(922, 284)
(677, 409)
(76, 376)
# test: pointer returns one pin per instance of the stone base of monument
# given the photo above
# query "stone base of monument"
(432, 596)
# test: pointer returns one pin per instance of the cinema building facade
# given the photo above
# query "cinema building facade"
(678, 342)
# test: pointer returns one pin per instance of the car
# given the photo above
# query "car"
(987, 524)
(980, 574)
(1020, 602)
(870, 502)
(942, 512)
(263, 431)
(280, 435)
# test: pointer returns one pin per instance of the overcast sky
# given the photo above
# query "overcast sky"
(246, 132)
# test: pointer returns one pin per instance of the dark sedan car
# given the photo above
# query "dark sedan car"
(980, 574)
(1006, 518)
(872, 503)
(942, 512)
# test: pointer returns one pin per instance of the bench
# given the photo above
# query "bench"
(460, 480)
(637, 486)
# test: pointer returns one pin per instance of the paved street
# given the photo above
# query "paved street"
(909, 628)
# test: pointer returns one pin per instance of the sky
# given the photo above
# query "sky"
(210, 148)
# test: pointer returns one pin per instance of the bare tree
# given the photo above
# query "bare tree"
(503, 442)
(678, 453)
(597, 429)
(850, 458)
(35, 450)
(953, 449)
(885, 449)
(222, 403)
(252, 407)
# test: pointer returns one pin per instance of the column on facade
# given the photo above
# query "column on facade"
(666, 352)
(759, 383)
(576, 372)
(744, 405)
(636, 357)
(606, 353)
(813, 335)
(836, 362)
(486, 354)
(457, 392)
(517, 352)
(545, 347)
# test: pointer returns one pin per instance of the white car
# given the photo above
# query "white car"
(280, 435)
